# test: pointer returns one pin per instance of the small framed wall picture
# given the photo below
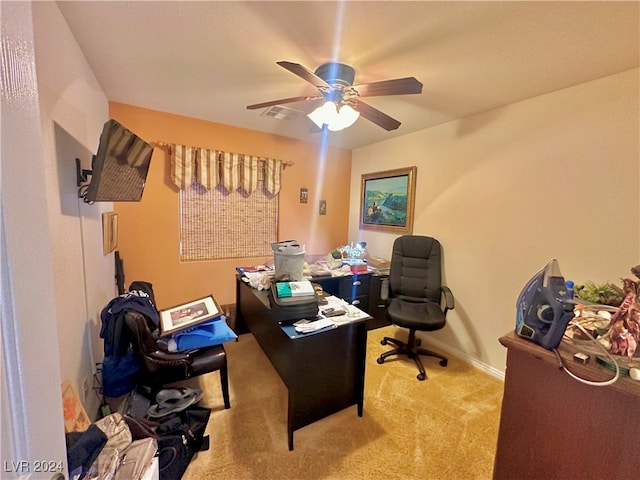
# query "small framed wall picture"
(304, 195)
(322, 209)
(109, 232)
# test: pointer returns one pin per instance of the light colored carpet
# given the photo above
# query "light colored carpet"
(442, 428)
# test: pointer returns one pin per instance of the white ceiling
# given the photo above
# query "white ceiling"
(210, 59)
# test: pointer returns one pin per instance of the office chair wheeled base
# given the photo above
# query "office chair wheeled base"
(412, 350)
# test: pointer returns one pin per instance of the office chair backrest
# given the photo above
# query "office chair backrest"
(158, 367)
(416, 267)
(142, 337)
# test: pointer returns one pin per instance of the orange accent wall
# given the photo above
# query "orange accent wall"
(148, 231)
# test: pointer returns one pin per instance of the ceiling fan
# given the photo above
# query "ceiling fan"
(343, 103)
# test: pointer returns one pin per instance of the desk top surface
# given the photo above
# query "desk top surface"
(352, 313)
(591, 371)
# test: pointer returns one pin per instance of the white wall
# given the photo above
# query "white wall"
(32, 422)
(555, 176)
(73, 111)
(55, 278)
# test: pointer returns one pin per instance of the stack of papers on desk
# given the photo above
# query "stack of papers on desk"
(321, 323)
(352, 313)
(380, 266)
(307, 327)
(304, 327)
(379, 263)
(254, 269)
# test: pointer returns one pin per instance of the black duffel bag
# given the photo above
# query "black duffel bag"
(180, 437)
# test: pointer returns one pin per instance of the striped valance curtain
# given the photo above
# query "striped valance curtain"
(232, 171)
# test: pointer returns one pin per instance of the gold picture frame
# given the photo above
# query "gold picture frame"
(188, 315)
(109, 232)
(387, 200)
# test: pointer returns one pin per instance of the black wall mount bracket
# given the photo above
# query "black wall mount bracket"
(82, 174)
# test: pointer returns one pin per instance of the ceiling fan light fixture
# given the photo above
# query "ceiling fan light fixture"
(346, 117)
(336, 120)
(325, 113)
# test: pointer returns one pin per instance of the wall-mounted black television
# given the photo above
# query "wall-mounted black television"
(119, 169)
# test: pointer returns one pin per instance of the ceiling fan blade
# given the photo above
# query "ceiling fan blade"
(305, 74)
(282, 101)
(376, 116)
(398, 86)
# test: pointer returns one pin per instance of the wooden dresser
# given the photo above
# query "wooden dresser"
(555, 427)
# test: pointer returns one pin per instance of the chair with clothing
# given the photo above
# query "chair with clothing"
(160, 367)
(137, 319)
(415, 296)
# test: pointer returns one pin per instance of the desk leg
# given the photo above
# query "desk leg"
(291, 414)
(361, 362)
(239, 325)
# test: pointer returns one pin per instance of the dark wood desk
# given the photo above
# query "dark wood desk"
(324, 371)
(555, 427)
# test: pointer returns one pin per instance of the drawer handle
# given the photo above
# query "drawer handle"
(355, 302)
(357, 282)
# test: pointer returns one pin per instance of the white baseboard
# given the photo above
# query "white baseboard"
(494, 372)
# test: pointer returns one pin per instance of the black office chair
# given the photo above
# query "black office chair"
(161, 367)
(415, 296)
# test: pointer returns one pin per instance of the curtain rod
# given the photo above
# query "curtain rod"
(166, 146)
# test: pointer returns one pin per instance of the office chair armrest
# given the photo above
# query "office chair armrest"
(449, 303)
(167, 356)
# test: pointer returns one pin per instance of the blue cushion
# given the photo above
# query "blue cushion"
(213, 332)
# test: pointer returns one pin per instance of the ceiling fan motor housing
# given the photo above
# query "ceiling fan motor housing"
(336, 74)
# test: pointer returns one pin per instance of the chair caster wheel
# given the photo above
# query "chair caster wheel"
(443, 363)
(421, 376)
(380, 360)
(383, 342)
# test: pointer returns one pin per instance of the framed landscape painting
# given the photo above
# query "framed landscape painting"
(387, 200)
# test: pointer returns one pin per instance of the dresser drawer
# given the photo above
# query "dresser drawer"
(362, 302)
(354, 286)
